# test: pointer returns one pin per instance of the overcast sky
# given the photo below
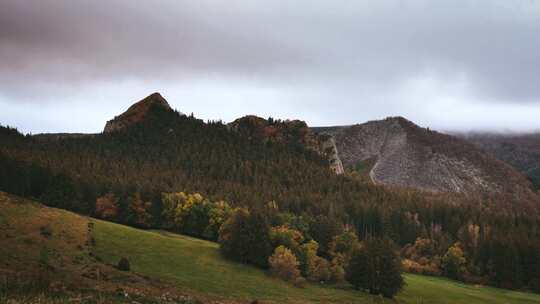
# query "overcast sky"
(68, 66)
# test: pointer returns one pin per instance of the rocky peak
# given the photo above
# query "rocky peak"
(395, 151)
(136, 113)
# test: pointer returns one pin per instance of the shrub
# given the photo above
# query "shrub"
(107, 207)
(45, 231)
(284, 265)
(337, 272)
(453, 262)
(318, 270)
(123, 264)
(290, 238)
(343, 244)
(306, 253)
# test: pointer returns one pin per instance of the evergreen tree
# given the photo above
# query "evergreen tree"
(245, 237)
(375, 266)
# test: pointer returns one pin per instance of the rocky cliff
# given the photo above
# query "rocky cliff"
(396, 152)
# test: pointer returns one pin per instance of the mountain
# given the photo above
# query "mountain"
(396, 152)
(136, 113)
(519, 150)
(152, 149)
(282, 170)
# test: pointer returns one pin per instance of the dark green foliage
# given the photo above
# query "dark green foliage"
(376, 267)
(245, 237)
(123, 264)
(323, 230)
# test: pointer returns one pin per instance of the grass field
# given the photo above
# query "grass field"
(185, 265)
(196, 264)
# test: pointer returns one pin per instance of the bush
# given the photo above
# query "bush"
(318, 270)
(107, 207)
(306, 253)
(337, 272)
(45, 231)
(376, 267)
(343, 244)
(123, 264)
(284, 265)
(453, 262)
(290, 238)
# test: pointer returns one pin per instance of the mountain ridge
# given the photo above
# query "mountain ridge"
(400, 153)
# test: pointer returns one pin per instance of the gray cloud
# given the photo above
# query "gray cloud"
(329, 62)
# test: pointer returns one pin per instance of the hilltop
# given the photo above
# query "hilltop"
(136, 113)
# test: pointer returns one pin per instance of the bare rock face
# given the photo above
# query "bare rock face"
(399, 153)
(329, 148)
(136, 113)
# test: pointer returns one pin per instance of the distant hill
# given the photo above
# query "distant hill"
(520, 150)
(397, 152)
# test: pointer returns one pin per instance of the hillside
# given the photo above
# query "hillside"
(519, 150)
(397, 152)
(285, 170)
(170, 268)
(160, 150)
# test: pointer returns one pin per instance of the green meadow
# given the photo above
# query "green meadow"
(197, 266)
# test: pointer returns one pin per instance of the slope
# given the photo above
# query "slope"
(170, 265)
(519, 150)
(400, 153)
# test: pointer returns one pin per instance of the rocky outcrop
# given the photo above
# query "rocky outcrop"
(399, 153)
(136, 113)
(329, 148)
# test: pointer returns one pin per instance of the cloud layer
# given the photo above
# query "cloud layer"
(71, 65)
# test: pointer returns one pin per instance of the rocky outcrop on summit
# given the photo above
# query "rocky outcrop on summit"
(136, 113)
(399, 153)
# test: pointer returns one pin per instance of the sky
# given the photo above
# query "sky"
(69, 66)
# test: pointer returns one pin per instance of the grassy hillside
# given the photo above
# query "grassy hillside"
(61, 249)
(197, 265)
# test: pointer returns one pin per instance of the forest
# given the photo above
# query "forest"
(178, 173)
